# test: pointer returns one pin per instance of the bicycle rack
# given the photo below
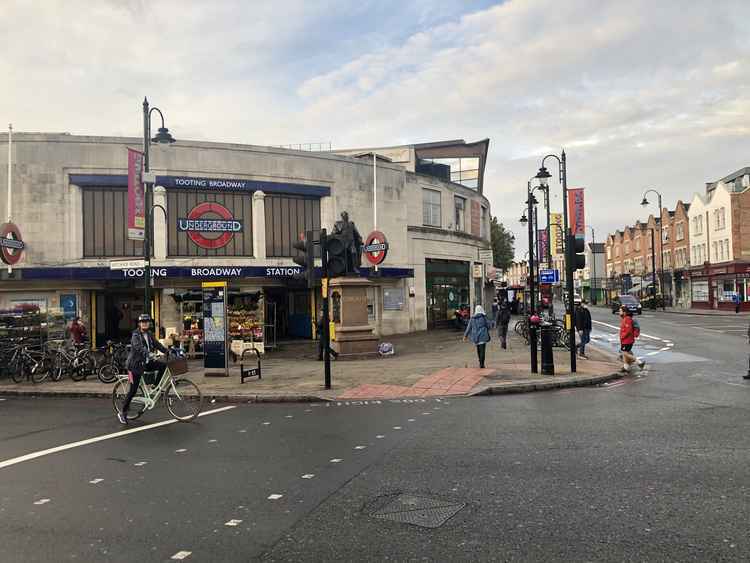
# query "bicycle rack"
(249, 372)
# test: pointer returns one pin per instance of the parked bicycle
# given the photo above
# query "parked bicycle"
(27, 362)
(113, 358)
(182, 397)
(76, 362)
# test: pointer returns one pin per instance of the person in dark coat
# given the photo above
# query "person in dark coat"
(142, 344)
(501, 320)
(583, 327)
(478, 331)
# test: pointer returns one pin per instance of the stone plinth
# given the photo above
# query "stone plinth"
(348, 300)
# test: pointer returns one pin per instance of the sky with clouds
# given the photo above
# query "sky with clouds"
(640, 93)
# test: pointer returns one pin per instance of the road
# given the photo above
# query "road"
(653, 467)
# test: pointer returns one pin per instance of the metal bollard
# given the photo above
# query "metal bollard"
(548, 359)
(532, 347)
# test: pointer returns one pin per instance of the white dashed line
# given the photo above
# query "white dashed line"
(266, 423)
(397, 428)
(42, 501)
(233, 522)
(359, 447)
(426, 413)
(336, 460)
(242, 431)
(289, 416)
(274, 496)
(95, 481)
(380, 436)
(308, 476)
(180, 451)
(180, 555)
(410, 420)
(212, 440)
(140, 463)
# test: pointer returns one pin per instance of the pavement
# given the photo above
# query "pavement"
(426, 364)
(651, 467)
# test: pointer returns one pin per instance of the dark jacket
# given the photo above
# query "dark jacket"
(138, 355)
(503, 315)
(583, 319)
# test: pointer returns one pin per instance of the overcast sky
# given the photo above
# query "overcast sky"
(640, 93)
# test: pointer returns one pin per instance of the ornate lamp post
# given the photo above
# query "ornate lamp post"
(645, 203)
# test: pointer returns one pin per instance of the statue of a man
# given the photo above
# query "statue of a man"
(353, 240)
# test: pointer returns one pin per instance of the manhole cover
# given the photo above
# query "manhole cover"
(419, 511)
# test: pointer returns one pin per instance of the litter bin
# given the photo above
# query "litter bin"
(548, 360)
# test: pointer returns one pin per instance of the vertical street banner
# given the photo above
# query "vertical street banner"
(576, 212)
(136, 196)
(542, 243)
(554, 233)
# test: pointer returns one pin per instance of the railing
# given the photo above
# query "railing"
(310, 147)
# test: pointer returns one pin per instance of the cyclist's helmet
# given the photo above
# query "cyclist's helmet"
(144, 318)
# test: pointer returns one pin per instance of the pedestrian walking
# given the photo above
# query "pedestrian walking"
(501, 320)
(583, 327)
(478, 331)
(736, 299)
(628, 334)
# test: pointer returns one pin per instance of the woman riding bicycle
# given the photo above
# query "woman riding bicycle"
(142, 345)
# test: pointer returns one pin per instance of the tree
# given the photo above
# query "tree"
(502, 245)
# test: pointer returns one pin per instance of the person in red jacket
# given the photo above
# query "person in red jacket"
(77, 332)
(627, 339)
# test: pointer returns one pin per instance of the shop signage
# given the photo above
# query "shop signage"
(375, 248)
(11, 244)
(136, 197)
(201, 220)
(486, 256)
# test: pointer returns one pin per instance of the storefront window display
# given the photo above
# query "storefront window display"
(700, 290)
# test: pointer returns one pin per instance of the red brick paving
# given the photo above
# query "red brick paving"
(448, 381)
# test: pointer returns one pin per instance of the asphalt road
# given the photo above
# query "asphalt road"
(652, 467)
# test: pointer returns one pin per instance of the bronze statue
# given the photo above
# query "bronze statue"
(352, 240)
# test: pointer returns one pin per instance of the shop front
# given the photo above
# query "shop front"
(447, 289)
(721, 286)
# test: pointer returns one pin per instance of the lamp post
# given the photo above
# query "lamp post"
(543, 175)
(645, 203)
(165, 138)
(593, 267)
(530, 203)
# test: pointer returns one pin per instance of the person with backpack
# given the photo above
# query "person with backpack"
(502, 319)
(478, 331)
(628, 335)
(583, 327)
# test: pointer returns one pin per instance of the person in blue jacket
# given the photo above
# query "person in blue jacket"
(478, 331)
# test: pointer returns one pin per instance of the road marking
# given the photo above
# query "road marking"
(140, 463)
(274, 496)
(336, 460)
(397, 428)
(180, 451)
(42, 501)
(180, 555)
(95, 481)
(410, 420)
(233, 522)
(266, 423)
(242, 431)
(359, 447)
(380, 436)
(70, 446)
(618, 328)
(308, 475)
(289, 416)
(212, 440)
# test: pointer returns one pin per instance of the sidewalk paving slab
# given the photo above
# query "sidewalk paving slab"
(426, 364)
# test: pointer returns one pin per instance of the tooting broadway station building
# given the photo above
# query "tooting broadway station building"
(69, 202)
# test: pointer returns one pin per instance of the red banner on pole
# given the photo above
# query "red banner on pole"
(542, 244)
(136, 196)
(576, 212)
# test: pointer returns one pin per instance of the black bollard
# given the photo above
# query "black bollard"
(548, 359)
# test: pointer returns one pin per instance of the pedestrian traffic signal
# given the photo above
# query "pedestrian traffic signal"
(577, 257)
(306, 245)
(336, 252)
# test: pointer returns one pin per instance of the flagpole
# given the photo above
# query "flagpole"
(10, 176)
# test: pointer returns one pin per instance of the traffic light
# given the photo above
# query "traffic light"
(336, 256)
(306, 245)
(577, 247)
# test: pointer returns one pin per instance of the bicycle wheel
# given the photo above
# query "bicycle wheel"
(59, 368)
(41, 369)
(137, 405)
(107, 373)
(18, 370)
(184, 400)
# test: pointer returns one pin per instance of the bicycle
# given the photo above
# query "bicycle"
(112, 362)
(182, 397)
(28, 364)
(78, 363)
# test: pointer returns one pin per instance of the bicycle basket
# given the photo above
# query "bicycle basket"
(178, 366)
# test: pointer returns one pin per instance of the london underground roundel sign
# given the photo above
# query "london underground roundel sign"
(210, 218)
(375, 248)
(11, 244)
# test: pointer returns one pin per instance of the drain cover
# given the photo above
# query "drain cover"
(419, 511)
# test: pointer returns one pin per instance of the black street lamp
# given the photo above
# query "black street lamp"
(163, 137)
(592, 285)
(530, 210)
(645, 203)
(543, 175)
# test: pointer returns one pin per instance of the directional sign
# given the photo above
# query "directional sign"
(549, 276)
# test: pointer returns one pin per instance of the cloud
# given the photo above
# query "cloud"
(640, 93)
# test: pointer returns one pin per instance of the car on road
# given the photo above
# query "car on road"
(631, 303)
